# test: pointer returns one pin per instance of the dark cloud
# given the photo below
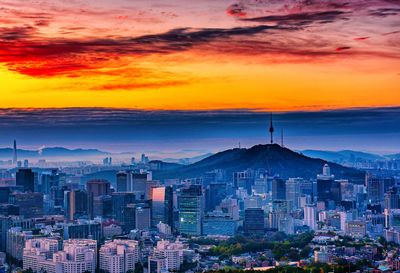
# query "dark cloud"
(26, 54)
(17, 33)
(304, 18)
(384, 12)
(343, 48)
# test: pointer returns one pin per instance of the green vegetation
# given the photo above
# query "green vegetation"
(314, 268)
(292, 247)
(138, 268)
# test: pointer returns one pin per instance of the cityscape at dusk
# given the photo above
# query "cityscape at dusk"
(188, 136)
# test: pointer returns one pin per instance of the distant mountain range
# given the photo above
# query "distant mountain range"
(394, 156)
(271, 157)
(187, 160)
(7, 153)
(343, 156)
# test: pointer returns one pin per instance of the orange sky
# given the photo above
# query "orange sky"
(203, 55)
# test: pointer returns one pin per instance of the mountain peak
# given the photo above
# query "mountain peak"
(275, 159)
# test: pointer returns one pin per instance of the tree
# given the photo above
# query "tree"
(29, 270)
(138, 268)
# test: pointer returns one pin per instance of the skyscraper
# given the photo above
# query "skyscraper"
(122, 181)
(26, 179)
(162, 206)
(120, 202)
(310, 216)
(254, 221)
(293, 191)
(129, 181)
(15, 156)
(377, 186)
(142, 216)
(215, 193)
(325, 185)
(49, 179)
(96, 188)
(278, 189)
(191, 207)
(75, 204)
(30, 203)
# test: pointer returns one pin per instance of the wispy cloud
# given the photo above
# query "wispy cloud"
(38, 42)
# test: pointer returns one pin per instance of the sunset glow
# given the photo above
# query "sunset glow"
(279, 55)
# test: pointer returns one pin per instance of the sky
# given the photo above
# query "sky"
(190, 133)
(205, 56)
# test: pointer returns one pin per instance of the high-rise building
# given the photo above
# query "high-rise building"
(219, 225)
(191, 207)
(215, 193)
(293, 191)
(129, 181)
(244, 180)
(75, 204)
(102, 206)
(280, 209)
(30, 203)
(310, 216)
(162, 206)
(173, 253)
(119, 256)
(16, 238)
(377, 186)
(49, 180)
(26, 179)
(142, 216)
(37, 252)
(254, 221)
(229, 207)
(120, 202)
(278, 189)
(15, 156)
(392, 200)
(326, 187)
(122, 181)
(83, 230)
(96, 188)
(5, 195)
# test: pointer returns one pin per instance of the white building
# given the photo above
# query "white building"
(173, 253)
(37, 252)
(164, 228)
(321, 256)
(310, 216)
(119, 256)
(77, 256)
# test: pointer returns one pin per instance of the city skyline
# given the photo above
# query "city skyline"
(188, 136)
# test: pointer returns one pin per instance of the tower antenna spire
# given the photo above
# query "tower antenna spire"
(271, 129)
(282, 138)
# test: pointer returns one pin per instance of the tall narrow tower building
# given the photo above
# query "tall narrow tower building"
(15, 158)
(271, 129)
